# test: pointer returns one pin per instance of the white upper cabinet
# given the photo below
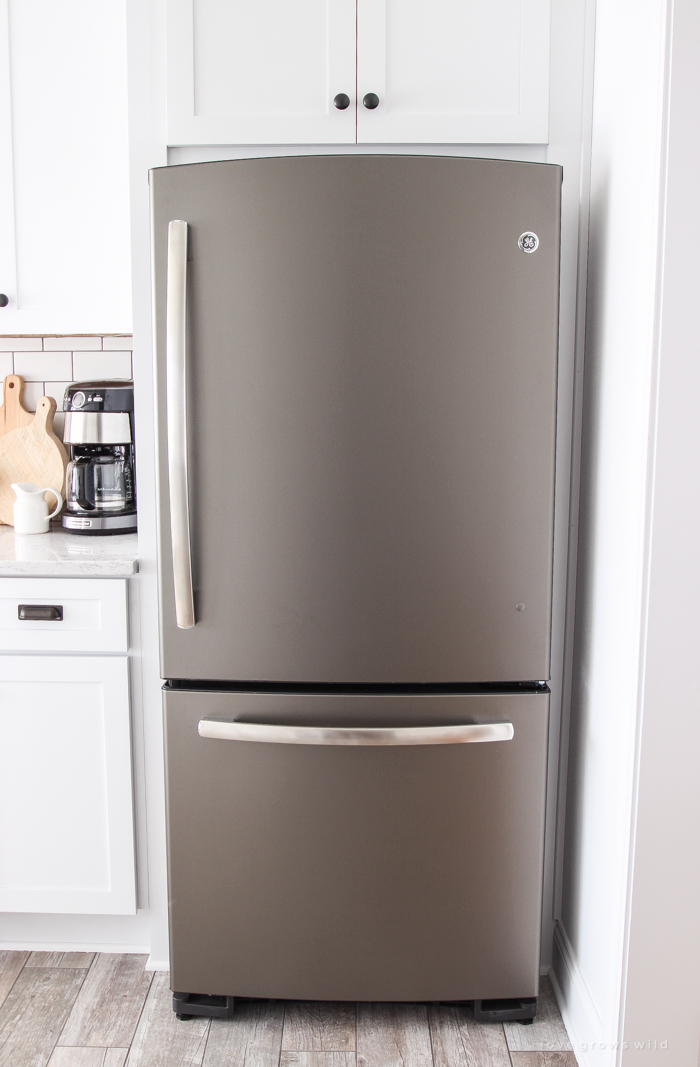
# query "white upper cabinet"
(262, 72)
(64, 180)
(451, 71)
(443, 71)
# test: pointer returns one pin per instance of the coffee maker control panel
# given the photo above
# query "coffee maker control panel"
(99, 396)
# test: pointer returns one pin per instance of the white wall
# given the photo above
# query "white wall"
(632, 558)
(662, 997)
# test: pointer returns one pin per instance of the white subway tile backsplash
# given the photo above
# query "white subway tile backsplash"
(89, 365)
(20, 344)
(47, 371)
(72, 344)
(44, 366)
(117, 343)
(56, 390)
(31, 393)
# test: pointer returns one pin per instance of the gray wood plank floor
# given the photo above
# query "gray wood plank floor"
(84, 1009)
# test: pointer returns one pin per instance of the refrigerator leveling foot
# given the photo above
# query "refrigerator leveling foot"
(187, 1005)
(505, 1011)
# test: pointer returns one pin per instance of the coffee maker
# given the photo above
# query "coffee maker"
(100, 477)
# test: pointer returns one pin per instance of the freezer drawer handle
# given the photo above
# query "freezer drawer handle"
(327, 735)
(175, 359)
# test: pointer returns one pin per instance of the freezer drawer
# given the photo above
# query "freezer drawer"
(355, 871)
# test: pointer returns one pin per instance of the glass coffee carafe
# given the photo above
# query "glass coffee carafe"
(100, 480)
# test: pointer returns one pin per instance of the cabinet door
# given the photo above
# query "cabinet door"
(453, 71)
(64, 181)
(66, 831)
(260, 73)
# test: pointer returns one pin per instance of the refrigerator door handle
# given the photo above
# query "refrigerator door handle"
(175, 359)
(468, 733)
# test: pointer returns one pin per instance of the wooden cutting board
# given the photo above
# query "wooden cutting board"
(12, 414)
(31, 453)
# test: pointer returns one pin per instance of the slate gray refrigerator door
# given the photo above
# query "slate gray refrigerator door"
(332, 872)
(370, 391)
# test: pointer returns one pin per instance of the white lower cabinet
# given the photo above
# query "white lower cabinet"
(66, 809)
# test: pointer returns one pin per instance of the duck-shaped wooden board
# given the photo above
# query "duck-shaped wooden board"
(31, 453)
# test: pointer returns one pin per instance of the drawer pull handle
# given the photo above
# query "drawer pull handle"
(40, 612)
(331, 735)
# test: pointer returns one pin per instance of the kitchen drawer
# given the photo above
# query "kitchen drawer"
(94, 615)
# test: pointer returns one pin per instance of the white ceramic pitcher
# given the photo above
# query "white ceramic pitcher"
(30, 510)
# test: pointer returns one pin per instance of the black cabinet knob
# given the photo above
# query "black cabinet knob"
(371, 101)
(3, 301)
(341, 101)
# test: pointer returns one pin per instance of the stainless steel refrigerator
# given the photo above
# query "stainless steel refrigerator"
(356, 379)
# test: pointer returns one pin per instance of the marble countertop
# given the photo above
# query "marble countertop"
(63, 554)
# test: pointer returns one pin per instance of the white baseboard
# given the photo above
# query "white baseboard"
(71, 946)
(592, 1046)
(157, 965)
(41, 932)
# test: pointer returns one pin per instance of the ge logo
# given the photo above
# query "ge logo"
(528, 242)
